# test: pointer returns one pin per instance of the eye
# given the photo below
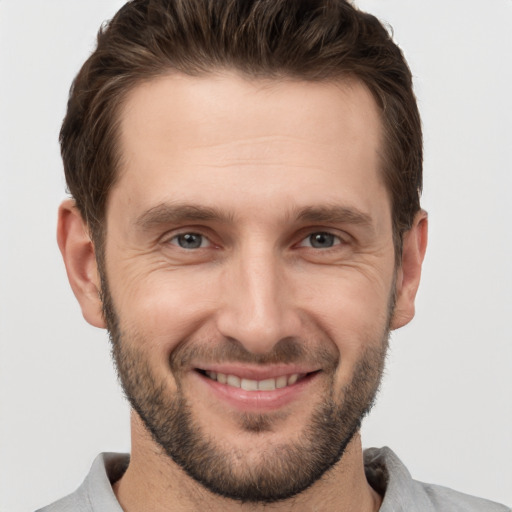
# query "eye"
(190, 241)
(321, 240)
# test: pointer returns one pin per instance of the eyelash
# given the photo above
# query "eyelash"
(336, 240)
(175, 238)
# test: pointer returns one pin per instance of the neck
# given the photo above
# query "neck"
(154, 483)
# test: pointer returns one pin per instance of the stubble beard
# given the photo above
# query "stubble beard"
(282, 470)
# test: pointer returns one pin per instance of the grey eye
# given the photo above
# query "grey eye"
(189, 241)
(322, 240)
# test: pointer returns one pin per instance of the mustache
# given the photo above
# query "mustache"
(286, 351)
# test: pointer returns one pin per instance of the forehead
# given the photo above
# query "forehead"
(185, 109)
(261, 139)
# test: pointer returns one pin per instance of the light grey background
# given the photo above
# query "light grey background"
(445, 406)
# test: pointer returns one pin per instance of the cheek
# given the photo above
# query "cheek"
(348, 299)
(164, 307)
(167, 306)
(353, 311)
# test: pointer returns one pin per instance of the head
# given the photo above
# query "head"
(313, 41)
(247, 226)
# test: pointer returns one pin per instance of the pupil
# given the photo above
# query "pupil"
(190, 241)
(322, 240)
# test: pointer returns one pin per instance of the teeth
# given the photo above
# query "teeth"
(255, 385)
(292, 379)
(249, 385)
(281, 382)
(233, 381)
(267, 385)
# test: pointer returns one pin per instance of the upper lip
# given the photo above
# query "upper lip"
(256, 372)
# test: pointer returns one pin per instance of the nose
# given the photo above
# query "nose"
(258, 301)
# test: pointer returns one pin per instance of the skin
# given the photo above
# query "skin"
(262, 154)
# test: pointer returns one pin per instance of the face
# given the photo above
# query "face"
(249, 275)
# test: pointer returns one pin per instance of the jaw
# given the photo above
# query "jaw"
(233, 452)
(146, 482)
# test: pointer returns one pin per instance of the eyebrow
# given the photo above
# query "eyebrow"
(334, 214)
(176, 213)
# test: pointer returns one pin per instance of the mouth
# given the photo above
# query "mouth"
(254, 389)
(268, 384)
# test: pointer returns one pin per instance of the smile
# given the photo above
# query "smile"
(255, 385)
(258, 389)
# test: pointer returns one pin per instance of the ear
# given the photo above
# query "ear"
(79, 257)
(409, 272)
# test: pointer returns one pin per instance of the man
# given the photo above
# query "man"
(246, 224)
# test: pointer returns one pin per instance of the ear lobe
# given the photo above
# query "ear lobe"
(409, 273)
(80, 260)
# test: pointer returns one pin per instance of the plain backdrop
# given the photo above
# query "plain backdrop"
(445, 406)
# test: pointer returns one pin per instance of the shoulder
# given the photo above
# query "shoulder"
(77, 501)
(443, 498)
(95, 494)
(387, 474)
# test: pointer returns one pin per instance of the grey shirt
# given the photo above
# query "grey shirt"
(384, 471)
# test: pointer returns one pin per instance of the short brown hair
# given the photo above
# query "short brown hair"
(301, 39)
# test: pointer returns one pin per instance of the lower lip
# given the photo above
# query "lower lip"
(258, 401)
